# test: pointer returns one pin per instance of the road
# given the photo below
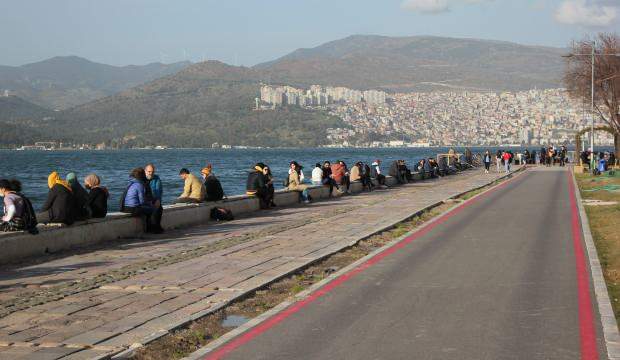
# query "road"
(497, 279)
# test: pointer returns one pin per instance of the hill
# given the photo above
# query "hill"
(13, 108)
(20, 120)
(420, 63)
(66, 81)
(213, 102)
(202, 104)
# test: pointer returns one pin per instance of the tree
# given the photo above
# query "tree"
(578, 78)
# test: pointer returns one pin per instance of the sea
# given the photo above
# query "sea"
(231, 166)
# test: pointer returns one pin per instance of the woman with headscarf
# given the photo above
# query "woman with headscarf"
(60, 203)
(97, 201)
(80, 195)
(212, 184)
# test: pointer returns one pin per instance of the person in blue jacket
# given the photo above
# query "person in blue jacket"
(135, 201)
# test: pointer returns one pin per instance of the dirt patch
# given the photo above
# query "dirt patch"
(605, 227)
(201, 332)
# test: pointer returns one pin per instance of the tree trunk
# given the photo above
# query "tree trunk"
(617, 146)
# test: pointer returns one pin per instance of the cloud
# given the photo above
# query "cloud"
(587, 13)
(426, 6)
(435, 6)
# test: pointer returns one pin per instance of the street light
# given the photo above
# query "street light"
(593, 54)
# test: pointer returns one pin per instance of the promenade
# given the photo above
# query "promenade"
(95, 302)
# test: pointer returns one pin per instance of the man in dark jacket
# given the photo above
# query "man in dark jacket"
(256, 185)
(212, 184)
(154, 192)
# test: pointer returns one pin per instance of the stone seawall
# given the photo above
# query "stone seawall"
(51, 239)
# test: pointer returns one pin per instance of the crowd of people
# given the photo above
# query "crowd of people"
(598, 162)
(69, 200)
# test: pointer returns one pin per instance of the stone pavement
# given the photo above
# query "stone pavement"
(98, 301)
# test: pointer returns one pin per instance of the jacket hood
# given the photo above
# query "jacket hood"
(134, 181)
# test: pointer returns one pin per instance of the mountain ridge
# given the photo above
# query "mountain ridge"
(61, 82)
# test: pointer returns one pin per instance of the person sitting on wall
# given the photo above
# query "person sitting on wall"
(365, 177)
(271, 190)
(340, 174)
(404, 171)
(18, 212)
(356, 172)
(60, 203)
(97, 201)
(375, 172)
(193, 190)
(435, 167)
(80, 195)
(212, 184)
(295, 184)
(317, 175)
(395, 172)
(135, 201)
(328, 178)
(256, 185)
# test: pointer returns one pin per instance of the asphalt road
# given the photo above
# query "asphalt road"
(497, 280)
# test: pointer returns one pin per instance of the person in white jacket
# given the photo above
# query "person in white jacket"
(317, 175)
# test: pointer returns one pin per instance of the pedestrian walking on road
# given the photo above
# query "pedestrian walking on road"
(498, 160)
(506, 159)
(487, 161)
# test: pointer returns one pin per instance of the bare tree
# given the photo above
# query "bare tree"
(578, 77)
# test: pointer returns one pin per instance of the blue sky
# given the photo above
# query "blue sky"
(246, 32)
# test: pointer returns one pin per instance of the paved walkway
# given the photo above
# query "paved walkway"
(99, 301)
(500, 279)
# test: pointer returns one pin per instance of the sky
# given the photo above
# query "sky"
(247, 32)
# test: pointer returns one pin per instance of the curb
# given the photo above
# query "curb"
(200, 353)
(606, 312)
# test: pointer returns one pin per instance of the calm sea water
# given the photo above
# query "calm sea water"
(230, 165)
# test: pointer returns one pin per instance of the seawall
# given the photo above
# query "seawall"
(53, 238)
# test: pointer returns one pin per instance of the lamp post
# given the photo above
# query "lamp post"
(593, 54)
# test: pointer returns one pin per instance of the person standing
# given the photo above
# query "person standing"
(487, 161)
(498, 160)
(156, 195)
(506, 159)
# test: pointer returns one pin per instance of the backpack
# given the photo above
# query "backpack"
(29, 216)
(221, 214)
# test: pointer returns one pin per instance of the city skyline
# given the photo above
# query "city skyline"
(139, 32)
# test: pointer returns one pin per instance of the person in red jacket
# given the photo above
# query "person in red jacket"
(506, 158)
(340, 174)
